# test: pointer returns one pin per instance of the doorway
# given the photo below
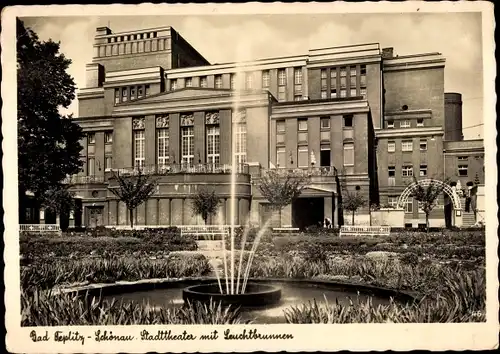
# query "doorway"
(95, 216)
(324, 158)
(308, 212)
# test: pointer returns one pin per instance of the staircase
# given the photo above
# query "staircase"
(468, 219)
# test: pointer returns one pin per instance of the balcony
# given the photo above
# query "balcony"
(321, 171)
(83, 179)
(170, 169)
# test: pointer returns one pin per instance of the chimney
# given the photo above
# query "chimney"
(387, 53)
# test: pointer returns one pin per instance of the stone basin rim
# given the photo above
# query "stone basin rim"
(160, 283)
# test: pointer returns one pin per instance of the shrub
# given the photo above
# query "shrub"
(39, 309)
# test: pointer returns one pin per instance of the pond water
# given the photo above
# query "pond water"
(292, 294)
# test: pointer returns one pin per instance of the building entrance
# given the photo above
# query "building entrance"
(308, 212)
(95, 216)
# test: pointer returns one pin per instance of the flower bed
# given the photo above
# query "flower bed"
(109, 270)
(144, 243)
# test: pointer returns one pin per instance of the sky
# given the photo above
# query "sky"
(456, 35)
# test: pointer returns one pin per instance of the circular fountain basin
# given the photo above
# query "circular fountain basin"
(256, 295)
(293, 292)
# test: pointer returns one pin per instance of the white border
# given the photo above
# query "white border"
(306, 337)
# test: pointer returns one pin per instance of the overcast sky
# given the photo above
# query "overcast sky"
(456, 35)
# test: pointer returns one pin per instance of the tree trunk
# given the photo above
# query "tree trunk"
(353, 217)
(131, 215)
(427, 222)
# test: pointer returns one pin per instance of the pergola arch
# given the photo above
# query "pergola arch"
(425, 183)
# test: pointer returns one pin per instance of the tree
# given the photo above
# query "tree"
(48, 142)
(352, 202)
(58, 200)
(281, 188)
(427, 197)
(205, 204)
(133, 189)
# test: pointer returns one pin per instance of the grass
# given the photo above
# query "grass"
(46, 309)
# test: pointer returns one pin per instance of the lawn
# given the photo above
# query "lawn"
(445, 269)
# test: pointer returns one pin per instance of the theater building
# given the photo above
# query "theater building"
(151, 101)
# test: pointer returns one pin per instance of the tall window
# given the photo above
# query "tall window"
(333, 83)
(203, 81)
(353, 77)
(91, 166)
(232, 81)
(302, 125)
(420, 122)
(265, 79)
(407, 171)
(297, 78)
(187, 145)
(280, 131)
(173, 85)
(133, 93)
(241, 143)
(249, 81)
(117, 95)
(391, 146)
(407, 145)
(390, 124)
(124, 94)
(281, 85)
(108, 137)
(139, 158)
(140, 91)
(280, 157)
(423, 144)
(391, 172)
(91, 138)
(348, 120)
(323, 83)
(363, 76)
(213, 144)
(303, 156)
(423, 170)
(146, 90)
(218, 81)
(162, 142)
(281, 77)
(349, 154)
(189, 82)
(108, 163)
(409, 205)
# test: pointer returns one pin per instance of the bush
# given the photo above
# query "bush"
(39, 309)
(117, 242)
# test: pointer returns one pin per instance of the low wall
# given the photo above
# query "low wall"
(388, 217)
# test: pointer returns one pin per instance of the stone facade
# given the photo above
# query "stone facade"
(153, 102)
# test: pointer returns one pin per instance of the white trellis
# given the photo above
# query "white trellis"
(425, 183)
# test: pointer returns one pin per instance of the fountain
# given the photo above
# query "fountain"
(261, 300)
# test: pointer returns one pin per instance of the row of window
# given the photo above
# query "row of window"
(108, 138)
(304, 158)
(406, 171)
(131, 93)
(343, 84)
(406, 145)
(250, 82)
(132, 37)
(187, 153)
(406, 123)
